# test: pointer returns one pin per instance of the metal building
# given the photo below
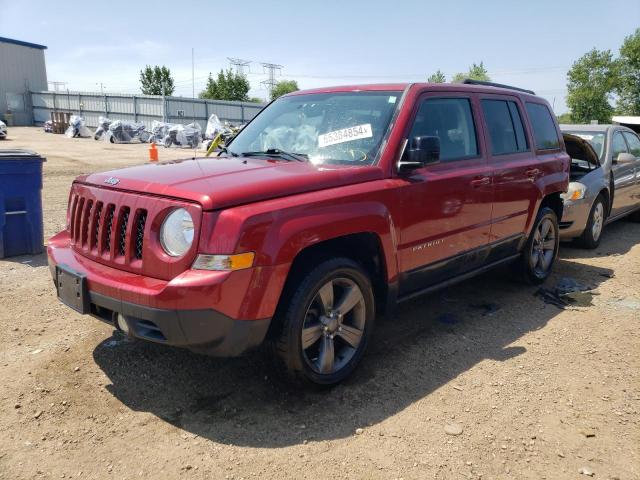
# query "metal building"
(22, 69)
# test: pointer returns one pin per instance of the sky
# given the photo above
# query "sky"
(528, 44)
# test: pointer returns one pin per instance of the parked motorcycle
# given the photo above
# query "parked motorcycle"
(103, 128)
(159, 130)
(121, 131)
(3, 130)
(183, 136)
(77, 128)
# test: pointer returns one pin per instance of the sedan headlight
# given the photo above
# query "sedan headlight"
(176, 233)
(576, 191)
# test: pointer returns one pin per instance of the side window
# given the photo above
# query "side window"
(451, 120)
(505, 127)
(544, 128)
(634, 143)
(618, 145)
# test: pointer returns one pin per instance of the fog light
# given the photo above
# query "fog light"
(122, 323)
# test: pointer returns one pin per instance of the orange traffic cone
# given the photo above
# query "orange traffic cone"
(153, 152)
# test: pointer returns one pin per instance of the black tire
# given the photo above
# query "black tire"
(592, 235)
(304, 309)
(527, 267)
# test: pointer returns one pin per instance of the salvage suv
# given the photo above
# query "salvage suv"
(329, 206)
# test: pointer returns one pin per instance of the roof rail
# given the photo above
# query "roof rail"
(470, 81)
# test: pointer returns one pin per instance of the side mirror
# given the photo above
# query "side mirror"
(421, 151)
(624, 158)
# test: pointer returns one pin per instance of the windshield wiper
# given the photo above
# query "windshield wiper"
(225, 150)
(275, 152)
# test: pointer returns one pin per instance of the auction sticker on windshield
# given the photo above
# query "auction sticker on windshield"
(345, 135)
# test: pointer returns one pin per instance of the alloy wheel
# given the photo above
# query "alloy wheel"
(598, 221)
(334, 325)
(544, 247)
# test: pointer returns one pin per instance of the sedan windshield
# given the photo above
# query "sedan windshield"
(338, 128)
(596, 139)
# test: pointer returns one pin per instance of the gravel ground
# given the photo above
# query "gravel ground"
(482, 380)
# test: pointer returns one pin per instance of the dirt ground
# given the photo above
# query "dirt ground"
(538, 391)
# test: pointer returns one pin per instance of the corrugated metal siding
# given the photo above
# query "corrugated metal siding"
(21, 69)
(141, 108)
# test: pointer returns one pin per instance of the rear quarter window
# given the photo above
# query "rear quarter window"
(544, 128)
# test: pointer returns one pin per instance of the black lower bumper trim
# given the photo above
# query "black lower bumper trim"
(203, 331)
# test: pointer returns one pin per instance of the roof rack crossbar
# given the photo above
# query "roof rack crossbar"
(470, 81)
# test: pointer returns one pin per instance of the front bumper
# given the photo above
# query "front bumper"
(575, 215)
(203, 331)
(216, 313)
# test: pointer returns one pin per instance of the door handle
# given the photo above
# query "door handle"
(480, 181)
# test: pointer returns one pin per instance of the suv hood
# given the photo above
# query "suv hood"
(220, 182)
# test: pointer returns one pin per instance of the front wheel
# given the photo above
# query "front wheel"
(324, 329)
(541, 249)
(592, 234)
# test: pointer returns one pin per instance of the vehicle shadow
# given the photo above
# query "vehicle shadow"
(617, 239)
(427, 343)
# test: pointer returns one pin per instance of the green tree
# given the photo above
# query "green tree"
(283, 87)
(153, 78)
(476, 72)
(256, 100)
(590, 83)
(628, 89)
(437, 77)
(227, 86)
(565, 118)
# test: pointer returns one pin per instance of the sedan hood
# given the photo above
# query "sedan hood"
(220, 182)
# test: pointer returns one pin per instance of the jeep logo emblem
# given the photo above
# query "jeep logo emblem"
(112, 181)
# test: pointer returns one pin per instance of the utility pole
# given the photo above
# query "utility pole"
(239, 64)
(102, 87)
(58, 86)
(271, 69)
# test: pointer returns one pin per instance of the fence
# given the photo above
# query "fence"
(139, 108)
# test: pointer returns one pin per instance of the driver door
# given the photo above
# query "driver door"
(623, 177)
(446, 207)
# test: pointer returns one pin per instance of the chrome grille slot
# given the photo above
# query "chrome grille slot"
(96, 225)
(86, 216)
(109, 227)
(139, 233)
(122, 237)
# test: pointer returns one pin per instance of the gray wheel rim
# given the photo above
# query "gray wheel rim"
(598, 221)
(333, 326)
(543, 248)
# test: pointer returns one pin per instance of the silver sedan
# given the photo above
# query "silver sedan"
(605, 180)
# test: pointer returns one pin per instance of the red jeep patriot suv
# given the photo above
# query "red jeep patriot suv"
(329, 205)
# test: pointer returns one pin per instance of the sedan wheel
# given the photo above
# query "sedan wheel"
(598, 221)
(544, 247)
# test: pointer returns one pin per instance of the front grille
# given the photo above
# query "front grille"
(109, 228)
(139, 233)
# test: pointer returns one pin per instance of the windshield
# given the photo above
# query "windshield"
(596, 139)
(338, 128)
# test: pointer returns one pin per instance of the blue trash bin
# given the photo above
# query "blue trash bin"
(21, 229)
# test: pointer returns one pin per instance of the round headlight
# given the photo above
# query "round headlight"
(176, 233)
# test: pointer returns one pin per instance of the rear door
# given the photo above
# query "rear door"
(633, 143)
(623, 176)
(446, 207)
(515, 170)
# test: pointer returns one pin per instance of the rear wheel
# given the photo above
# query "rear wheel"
(541, 249)
(323, 331)
(592, 234)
